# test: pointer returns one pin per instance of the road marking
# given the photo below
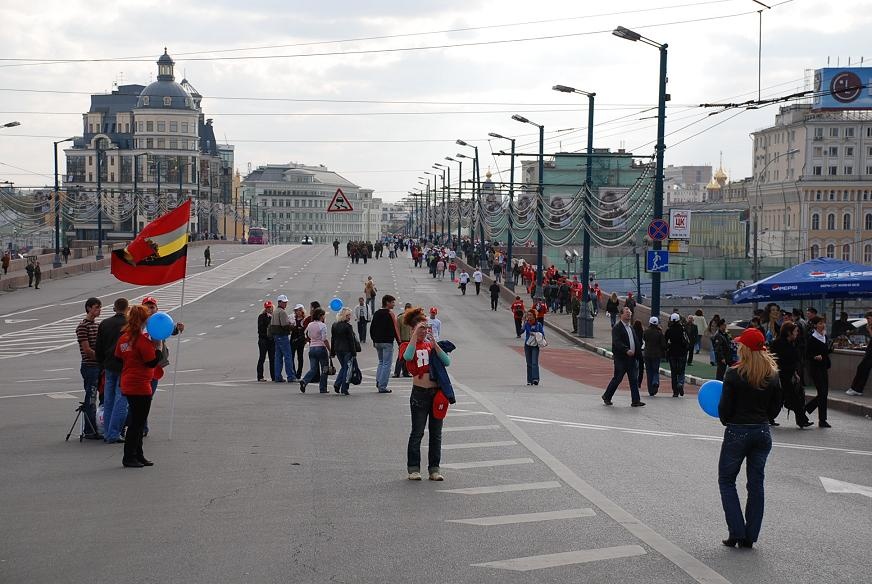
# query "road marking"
(188, 370)
(61, 396)
(17, 320)
(487, 463)
(46, 379)
(200, 334)
(28, 310)
(462, 413)
(504, 488)
(232, 318)
(61, 369)
(526, 517)
(686, 562)
(465, 445)
(835, 486)
(464, 428)
(565, 558)
(218, 325)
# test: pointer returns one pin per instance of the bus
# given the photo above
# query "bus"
(258, 235)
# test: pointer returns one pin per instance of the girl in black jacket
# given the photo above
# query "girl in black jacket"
(345, 346)
(818, 351)
(787, 355)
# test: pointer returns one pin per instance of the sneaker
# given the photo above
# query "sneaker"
(303, 385)
(414, 476)
(852, 392)
(638, 404)
(261, 380)
(435, 476)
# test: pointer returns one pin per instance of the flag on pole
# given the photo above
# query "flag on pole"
(159, 253)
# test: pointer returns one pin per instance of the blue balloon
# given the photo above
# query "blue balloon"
(710, 396)
(336, 304)
(159, 326)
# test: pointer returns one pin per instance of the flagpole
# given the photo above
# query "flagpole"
(178, 340)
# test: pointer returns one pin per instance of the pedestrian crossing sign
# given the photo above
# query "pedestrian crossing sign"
(339, 203)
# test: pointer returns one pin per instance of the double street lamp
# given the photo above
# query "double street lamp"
(445, 185)
(56, 262)
(540, 244)
(476, 178)
(459, 197)
(509, 280)
(630, 35)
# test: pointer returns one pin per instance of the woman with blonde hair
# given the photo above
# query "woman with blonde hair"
(345, 346)
(751, 397)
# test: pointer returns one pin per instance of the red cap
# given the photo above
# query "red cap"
(268, 304)
(753, 339)
(440, 405)
(149, 300)
(433, 310)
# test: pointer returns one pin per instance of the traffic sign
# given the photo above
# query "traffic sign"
(658, 230)
(339, 203)
(657, 261)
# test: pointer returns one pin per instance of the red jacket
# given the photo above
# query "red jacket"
(516, 305)
(139, 360)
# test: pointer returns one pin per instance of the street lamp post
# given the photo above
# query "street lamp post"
(459, 197)
(540, 243)
(510, 279)
(759, 177)
(477, 215)
(56, 263)
(442, 168)
(585, 319)
(136, 192)
(99, 149)
(662, 98)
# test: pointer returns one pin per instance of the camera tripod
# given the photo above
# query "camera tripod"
(86, 421)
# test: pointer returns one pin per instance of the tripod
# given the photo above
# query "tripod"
(86, 421)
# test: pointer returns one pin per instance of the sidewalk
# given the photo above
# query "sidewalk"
(696, 374)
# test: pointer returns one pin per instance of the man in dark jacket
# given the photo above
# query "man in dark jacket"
(655, 351)
(625, 344)
(494, 290)
(692, 337)
(266, 345)
(677, 346)
(384, 333)
(114, 402)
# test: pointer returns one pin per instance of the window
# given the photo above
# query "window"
(815, 251)
(819, 132)
(868, 222)
(867, 254)
(138, 126)
(849, 170)
(184, 127)
(831, 221)
(161, 143)
(174, 144)
(831, 251)
(849, 150)
(834, 132)
(832, 151)
(849, 132)
(149, 126)
(832, 170)
(846, 252)
(90, 177)
(149, 143)
(161, 126)
(111, 177)
(846, 221)
(869, 132)
(817, 151)
(815, 221)
(145, 100)
(168, 101)
(817, 170)
(174, 127)
(126, 127)
(868, 171)
(832, 195)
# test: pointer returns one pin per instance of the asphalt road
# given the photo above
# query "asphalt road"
(261, 483)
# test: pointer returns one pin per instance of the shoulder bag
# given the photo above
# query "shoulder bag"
(541, 341)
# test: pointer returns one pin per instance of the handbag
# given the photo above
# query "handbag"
(356, 375)
(540, 339)
(331, 369)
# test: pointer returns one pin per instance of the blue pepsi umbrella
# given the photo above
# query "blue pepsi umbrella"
(818, 278)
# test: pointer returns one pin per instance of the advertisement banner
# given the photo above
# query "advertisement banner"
(614, 208)
(843, 88)
(679, 224)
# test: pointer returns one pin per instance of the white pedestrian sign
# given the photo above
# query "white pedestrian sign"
(658, 261)
(339, 203)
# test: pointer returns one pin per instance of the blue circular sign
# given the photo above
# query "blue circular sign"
(658, 230)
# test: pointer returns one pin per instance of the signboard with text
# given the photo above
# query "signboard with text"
(679, 224)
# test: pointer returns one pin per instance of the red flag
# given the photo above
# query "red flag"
(159, 253)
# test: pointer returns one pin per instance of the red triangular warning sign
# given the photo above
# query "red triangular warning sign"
(339, 203)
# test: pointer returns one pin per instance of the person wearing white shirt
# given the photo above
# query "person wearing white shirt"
(361, 315)
(463, 278)
(476, 277)
(435, 324)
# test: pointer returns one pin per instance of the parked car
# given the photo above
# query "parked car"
(306, 240)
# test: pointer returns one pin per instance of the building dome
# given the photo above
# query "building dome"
(713, 185)
(165, 93)
(720, 174)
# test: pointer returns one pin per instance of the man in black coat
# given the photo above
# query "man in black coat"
(625, 345)
(266, 344)
(677, 345)
(114, 402)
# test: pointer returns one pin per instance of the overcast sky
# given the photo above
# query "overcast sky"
(453, 92)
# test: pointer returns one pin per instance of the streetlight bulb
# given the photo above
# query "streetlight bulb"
(563, 89)
(461, 143)
(626, 33)
(521, 119)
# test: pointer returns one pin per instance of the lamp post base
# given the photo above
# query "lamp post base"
(56, 262)
(585, 326)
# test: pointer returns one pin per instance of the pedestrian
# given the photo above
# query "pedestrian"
(420, 355)
(5, 262)
(476, 278)
(818, 351)
(150, 304)
(140, 356)
(541, 308)
(37, 275)
(319, 352)
(630, 302)
(711, 331)
(531, 346)
(405, 337)
(498, 272)
(701, 325)
(452, 269)
(612, 305)
(518, 312)
(722, 346)
(280, 328)
(335, 247)
(369, 293)
(440, 268)
(66, 253)
(345, 347)
(676, 351)
(463, 281)
(692, 338)
(435, 324)
(298, 322)
(787, 357)
(361, 316)
(625, 343)
(384, 333)
(29, 269)
(114, 402)
(86, 335)
(494, 290)
(655, 351)
(266, 345)
(862, 374)
(640, 355)
(751, 395)
(574, 310)
(207, 257)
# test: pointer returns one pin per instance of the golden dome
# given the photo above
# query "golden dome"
(713, 185)
(720, 174)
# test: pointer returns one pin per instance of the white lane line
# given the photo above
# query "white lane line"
(504, 488)
(188, 370)
(241, 311)
(46, 379)
(686, 562)
(565, 558)
(61, 396)
(465, 428)
(466, 445)
(232, 318)
(461, 413)
(200, 334)
(218, 325)
(487, 463)
(526, 517)
(61, 369)
(28, 310)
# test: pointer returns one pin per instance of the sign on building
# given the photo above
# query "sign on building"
(838, 88)
(679, 224)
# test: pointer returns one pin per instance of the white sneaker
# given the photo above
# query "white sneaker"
(435, 476)
(414, 476)
(852, 392)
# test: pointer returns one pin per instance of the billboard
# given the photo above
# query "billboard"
(679, 224)
(843, 88)
(614, 208)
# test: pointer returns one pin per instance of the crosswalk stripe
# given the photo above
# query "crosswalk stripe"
(504, 488)
(526, 517)
(487, 463)
(478, 445)
(565, 558)
(468, 428)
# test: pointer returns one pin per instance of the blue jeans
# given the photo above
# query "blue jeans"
(421, 406)
(629, 367)
(90, 378)
(613, 318)
(318, 361)
(750, 442)
(385, 352)
(342, 379)
(653, 368)
(114, 407)
(283, 353)
(531, 354)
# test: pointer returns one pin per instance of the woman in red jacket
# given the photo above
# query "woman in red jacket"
(140, 356)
